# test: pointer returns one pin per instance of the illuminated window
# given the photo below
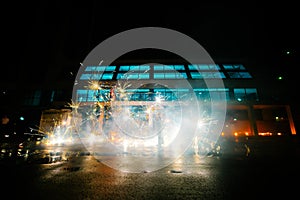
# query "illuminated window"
(201, 75)
(110, 68)
(136, 76)
(212, 93)
(179, 67)
(168, 67)
(134, 68)
(234, 67)
(170, 75)
(92, 95)
(124, 68)
(100, 76)
(204, 67)
(100, 68)
(239, 75)
(94, 68)
(90, 76)
(245, 94)
(213, 75)
(107, 76)
(196, 75)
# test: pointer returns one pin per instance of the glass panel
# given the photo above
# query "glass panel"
(182, 75)
(133, 76)
(245, 75)
(120, 76)
(144, 76)
(251, 94)
(135, 67)
(159, 76)
(107, 76)
(91, 76)
(124, 68)
(234, 74)
(144, 67)
(110, 68)
(239, 94)
(230, 67)
(214, 67)
(179, 67)
(158, 67)
(169, 75)
(169, 67)
(238, 67)
(234, 67)
(203, 67)
(193, 67)
(81, 95)
(90, 68)
(91, 95)
(196, 75)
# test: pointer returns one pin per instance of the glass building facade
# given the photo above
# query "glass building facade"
(248, 114)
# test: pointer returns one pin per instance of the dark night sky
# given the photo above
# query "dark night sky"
(35, 35)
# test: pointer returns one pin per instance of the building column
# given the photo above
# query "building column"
(252, 120)
(290, 118)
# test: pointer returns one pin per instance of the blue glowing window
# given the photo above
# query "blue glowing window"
(159, 76)
(144, 76)
(245, 75)
(182, 75)
(135, 67)
(208, 67)
(107, 76)
(170, 75)
(121, 76)
(234, 67)
(239, 75)
(91, 76)
(144, 67)
(241, 94)
(196, 75)
(212, 75)
(179, 67)
(95, 68)
(86, 95)
(193, 67)
(158, 67)
(133, 76)
(100, 68)
(210, 89)
(139, 90)
(168, 67)
(204, 67)
(124, 68)
(110, 68)
(182, 90)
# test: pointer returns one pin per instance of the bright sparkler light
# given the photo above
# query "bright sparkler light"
(93, 85)
(144, 135)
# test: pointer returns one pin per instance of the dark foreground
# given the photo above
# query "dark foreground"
(270, 170)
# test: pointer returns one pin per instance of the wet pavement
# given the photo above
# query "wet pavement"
(245, 168)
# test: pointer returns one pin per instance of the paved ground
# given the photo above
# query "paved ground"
(270, 170)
